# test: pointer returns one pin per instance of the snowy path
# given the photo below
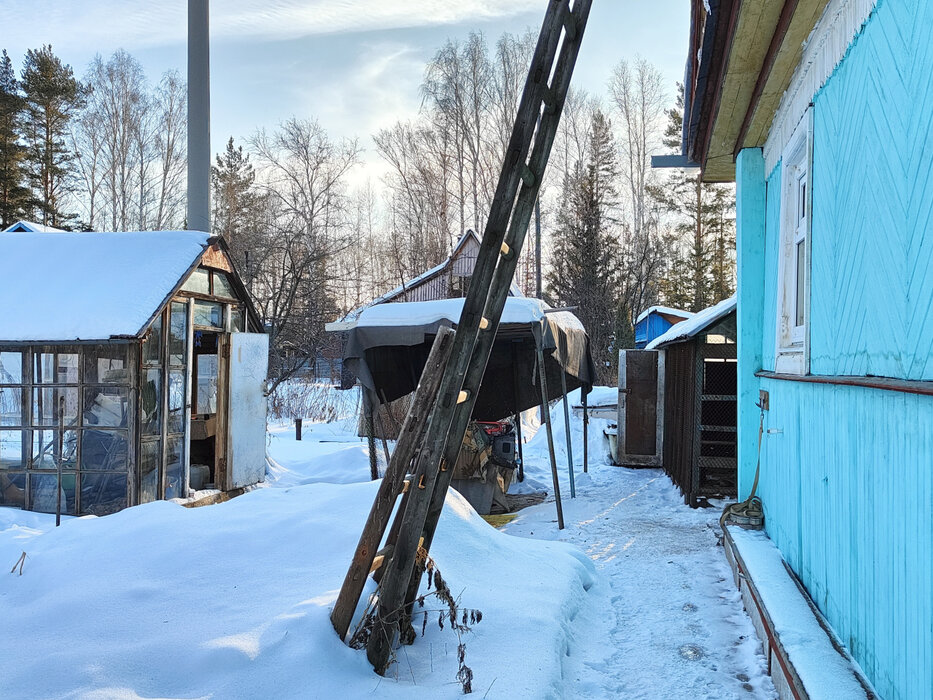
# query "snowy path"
(665, 620)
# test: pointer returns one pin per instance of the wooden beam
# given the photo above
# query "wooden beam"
(780, 31)
(408, 441)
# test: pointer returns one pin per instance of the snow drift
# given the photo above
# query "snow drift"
(233, 601)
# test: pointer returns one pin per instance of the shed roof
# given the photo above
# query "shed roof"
(31, 227)
(670, 311)
(693, 326)
(89, 286)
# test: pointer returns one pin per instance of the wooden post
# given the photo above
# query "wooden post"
(518, 439)
(550, 438)
(298, 429)
(409, 440)
(586, 425)
(563, 386)
(61, 458)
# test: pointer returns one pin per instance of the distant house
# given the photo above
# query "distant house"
(131, 369)
(448, 280)
(31, 227)
(822, 114)
(656, 321)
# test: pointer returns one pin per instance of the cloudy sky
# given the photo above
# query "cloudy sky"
(355, 65)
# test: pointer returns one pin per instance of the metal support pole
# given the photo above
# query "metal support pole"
(199, 116)
(550, 438)
(518, 413)
(586, 425)
(298, 422)
(370, 434)
(563, 386)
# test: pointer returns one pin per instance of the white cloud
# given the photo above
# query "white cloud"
(146, 24)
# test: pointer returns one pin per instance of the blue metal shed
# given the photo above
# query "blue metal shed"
(656, 321)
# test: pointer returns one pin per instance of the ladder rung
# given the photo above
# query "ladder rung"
(406, 484)
(570, 24)
(505, 249)
(463, 396)
(528, 177)
(484, 322)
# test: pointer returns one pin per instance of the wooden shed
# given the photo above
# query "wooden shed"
(132, 368)
(699, 403)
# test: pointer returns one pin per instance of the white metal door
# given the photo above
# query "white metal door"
(246, 434)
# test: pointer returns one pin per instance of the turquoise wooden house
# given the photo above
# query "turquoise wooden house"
(655, 321)
(822, 114)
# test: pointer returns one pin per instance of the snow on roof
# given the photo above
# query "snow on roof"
(518, 310)
(663, 310)
(699, 322)
(89, 286)
(31, 227)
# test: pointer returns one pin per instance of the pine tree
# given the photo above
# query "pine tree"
(701, 271)
(14, 194)
(53, 97)
(585, 270)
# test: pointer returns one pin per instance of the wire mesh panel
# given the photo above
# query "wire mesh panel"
(716, 407)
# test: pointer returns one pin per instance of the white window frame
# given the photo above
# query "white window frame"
(792, 352)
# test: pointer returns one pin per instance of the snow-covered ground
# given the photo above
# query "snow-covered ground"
(631, 600)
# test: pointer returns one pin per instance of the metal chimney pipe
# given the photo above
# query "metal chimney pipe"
(199, 116)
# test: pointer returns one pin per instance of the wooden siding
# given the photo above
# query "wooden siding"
(848, 497)
(846, 473)
(872, 281)
(772, 245)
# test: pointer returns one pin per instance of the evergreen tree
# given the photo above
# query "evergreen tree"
(14, 194)
(701, 270)
(53, 97)
(585, 270)
(238, 206)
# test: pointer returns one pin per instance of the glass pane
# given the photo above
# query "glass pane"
(801, 270)
(11, 368)
(152, 345)
(11, 450)
(198, 282)
(103, 450)
(45, 449)
(106, 364)
(44, 490)
(106, 406)
(176, 401)
(178, 334)
(237, 320)
(150, 402)
(11, 406)
(12, 489)
(48, 372)
(149, 471)
(207, 384)
(102, 494)
(207, 313)
(45, 405)
(174, 468)
(222, 286)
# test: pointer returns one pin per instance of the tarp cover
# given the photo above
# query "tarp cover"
(388, 348)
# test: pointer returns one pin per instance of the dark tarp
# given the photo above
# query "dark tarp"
(388, 348)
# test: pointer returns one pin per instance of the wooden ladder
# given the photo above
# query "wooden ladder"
(526, 158)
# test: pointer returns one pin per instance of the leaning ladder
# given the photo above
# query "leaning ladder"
(526, 158)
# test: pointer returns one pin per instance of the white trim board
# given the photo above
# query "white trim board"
(823, 50)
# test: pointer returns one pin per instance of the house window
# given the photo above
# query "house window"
(794, 278)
